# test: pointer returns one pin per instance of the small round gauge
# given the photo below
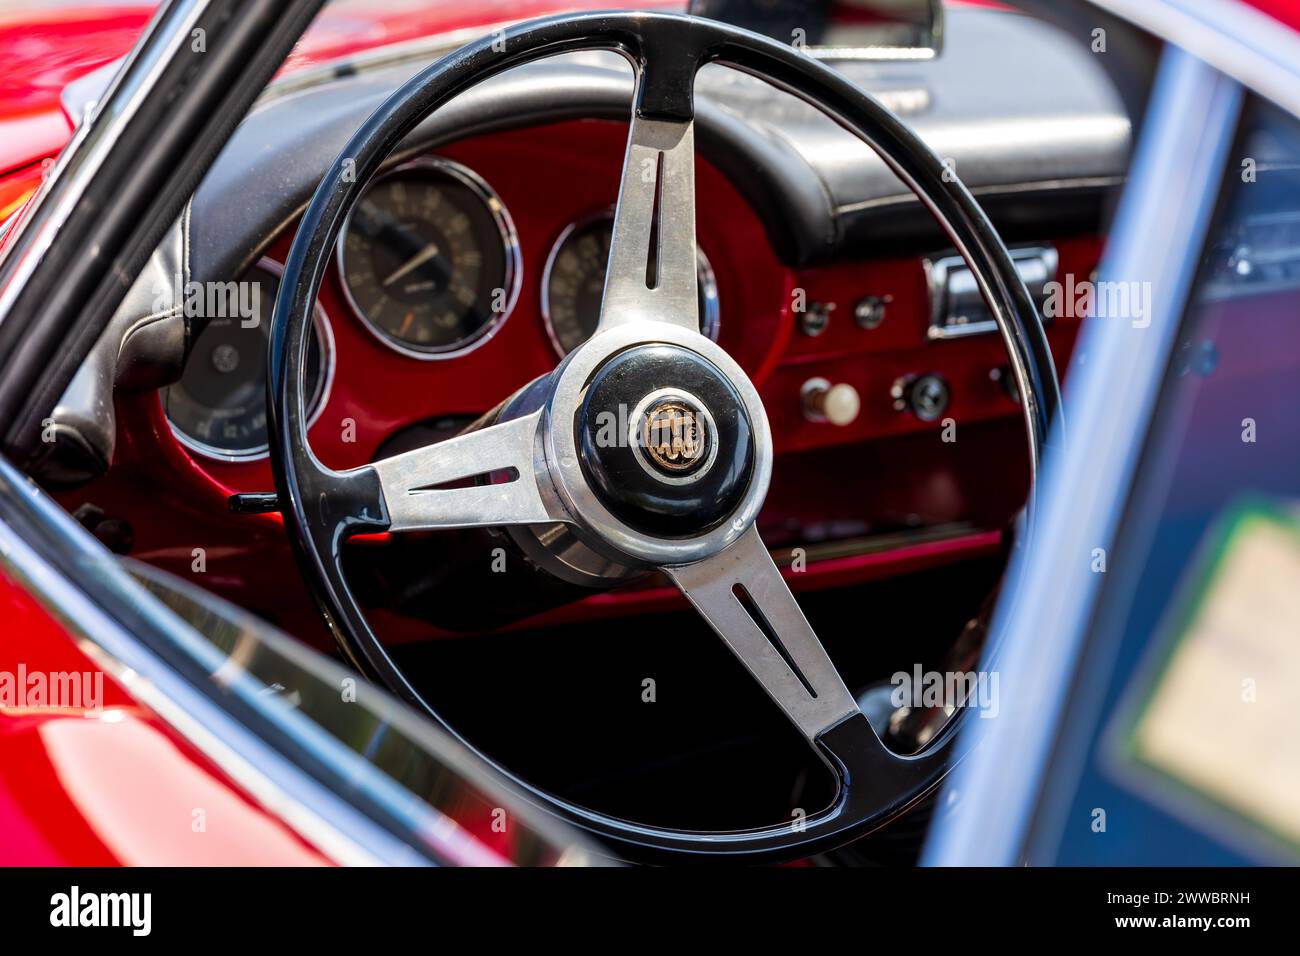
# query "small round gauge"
(218, 407)
(574, 282)
(430, 259)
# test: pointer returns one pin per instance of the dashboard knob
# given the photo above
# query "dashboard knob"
(824, 402)
(870, 311)
(925, 396)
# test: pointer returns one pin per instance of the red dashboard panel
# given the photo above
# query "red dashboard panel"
(887, 473)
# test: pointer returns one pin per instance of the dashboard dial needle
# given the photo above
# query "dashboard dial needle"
(417, 260)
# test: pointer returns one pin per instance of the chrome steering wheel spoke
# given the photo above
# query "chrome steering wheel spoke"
(652, 256)
(428, 488)
(649, 442)
(744, 598)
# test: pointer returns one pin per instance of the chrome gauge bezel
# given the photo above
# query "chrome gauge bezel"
(509, 244)
(708, 281)
(316, 404)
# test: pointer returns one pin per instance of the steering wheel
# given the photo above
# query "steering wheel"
(647, 447)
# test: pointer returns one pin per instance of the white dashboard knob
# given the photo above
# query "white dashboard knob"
(836, 404)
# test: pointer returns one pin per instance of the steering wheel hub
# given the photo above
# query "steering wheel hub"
(673, 433)
(648, 447)
(665, 441)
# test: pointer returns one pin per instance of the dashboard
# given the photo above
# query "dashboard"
(445, 296)
(430, 264)
(475, 262)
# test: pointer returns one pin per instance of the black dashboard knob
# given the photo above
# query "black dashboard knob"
(925, 396)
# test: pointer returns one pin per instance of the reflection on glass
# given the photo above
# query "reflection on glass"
(481, 828)
(1208, 534)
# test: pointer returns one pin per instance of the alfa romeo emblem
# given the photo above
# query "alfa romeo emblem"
(674, 436)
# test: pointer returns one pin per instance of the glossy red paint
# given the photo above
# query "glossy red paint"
(44, 50)
(1284, 11)
(47, 47)
(17, 188)
(106, 781)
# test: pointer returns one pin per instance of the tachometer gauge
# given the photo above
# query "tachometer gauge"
(430, 259)
(218, 407)
(574, 282)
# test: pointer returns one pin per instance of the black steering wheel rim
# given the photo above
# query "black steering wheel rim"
(323, 507)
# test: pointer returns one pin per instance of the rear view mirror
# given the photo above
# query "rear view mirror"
(861, 29)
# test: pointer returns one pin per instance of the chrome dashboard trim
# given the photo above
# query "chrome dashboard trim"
(939, 268)
(832, 54)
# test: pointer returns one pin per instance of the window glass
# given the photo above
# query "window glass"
(1179, 742)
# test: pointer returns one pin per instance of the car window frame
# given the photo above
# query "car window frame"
(1111, 405)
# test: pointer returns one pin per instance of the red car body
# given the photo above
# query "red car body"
(64, 798)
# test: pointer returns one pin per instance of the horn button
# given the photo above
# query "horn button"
(665, 441)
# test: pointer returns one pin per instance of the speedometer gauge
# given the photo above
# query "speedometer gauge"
(429, 259)
(574, 282)
(218, 407)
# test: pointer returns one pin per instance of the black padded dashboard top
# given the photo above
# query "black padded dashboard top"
(1026, 114)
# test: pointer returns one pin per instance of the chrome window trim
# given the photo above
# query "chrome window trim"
(81, 159)
(328, 820)
(1246, 44)
(1048, 605)
(321, 818)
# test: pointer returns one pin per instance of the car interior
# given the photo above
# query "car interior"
(456, 279)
